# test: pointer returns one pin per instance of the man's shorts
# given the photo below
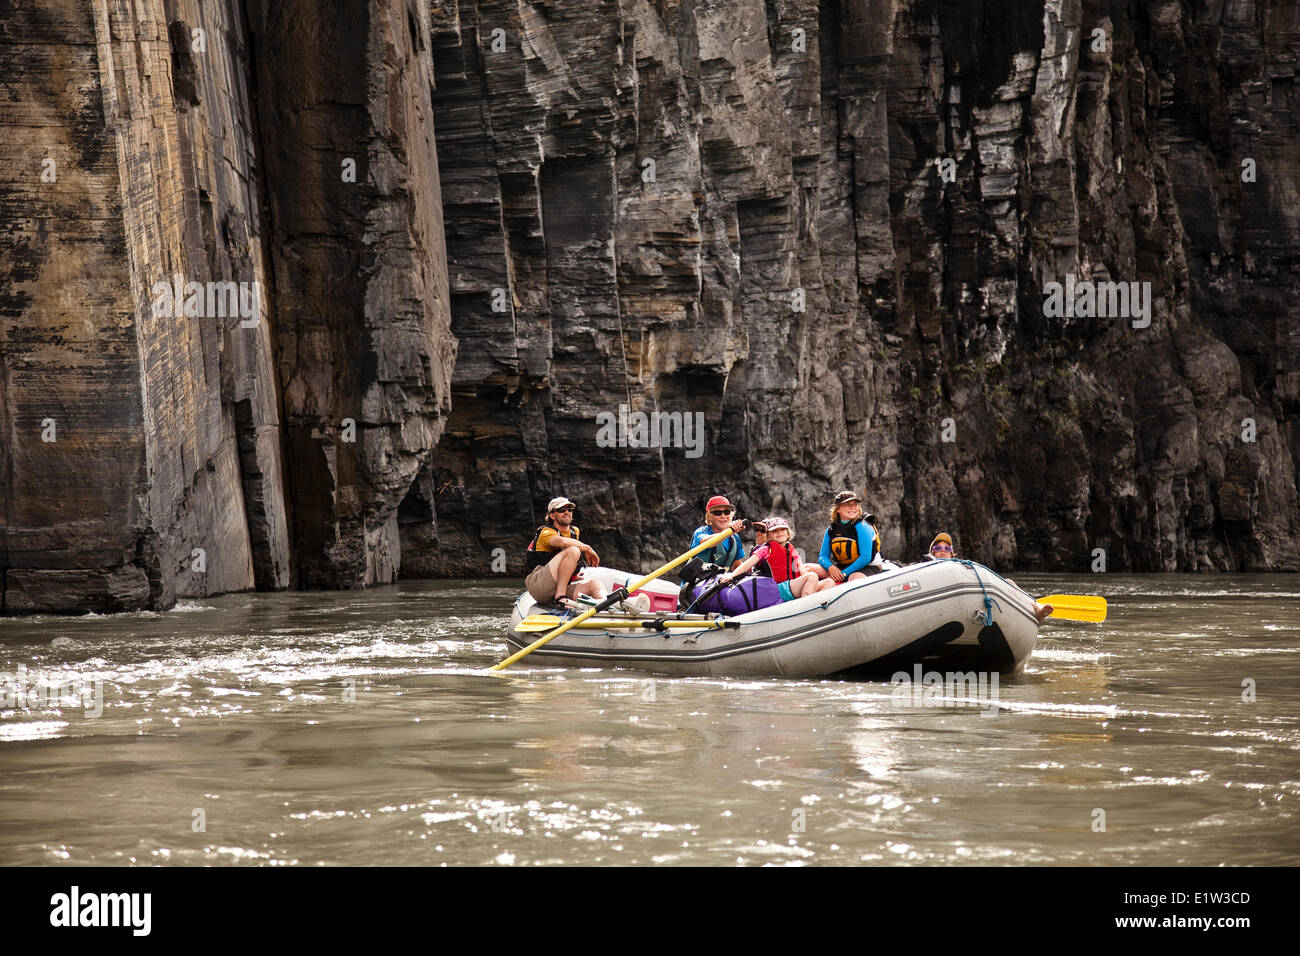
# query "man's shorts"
(540, 584)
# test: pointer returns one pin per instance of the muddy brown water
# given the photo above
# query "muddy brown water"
(356, 728)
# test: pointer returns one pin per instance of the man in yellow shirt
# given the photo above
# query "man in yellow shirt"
(555, 560)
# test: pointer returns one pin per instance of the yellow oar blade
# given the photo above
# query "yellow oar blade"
(1076, 607)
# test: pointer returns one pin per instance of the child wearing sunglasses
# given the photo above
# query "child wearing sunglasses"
(717, 516)
(940, 547)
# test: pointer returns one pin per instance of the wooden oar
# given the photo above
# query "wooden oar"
(526, 626)
(619, 595)
(1076, 607)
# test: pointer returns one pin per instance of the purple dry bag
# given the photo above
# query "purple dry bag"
(747, 594)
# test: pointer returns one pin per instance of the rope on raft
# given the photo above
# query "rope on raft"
(988, 601)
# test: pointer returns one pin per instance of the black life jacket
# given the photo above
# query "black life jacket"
(780, 562)
(844, 543)
(534, 559)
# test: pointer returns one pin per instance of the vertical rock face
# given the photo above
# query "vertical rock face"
(839, 236)
(144, 447)
(361, 301)
(639, 200)
(142, 459)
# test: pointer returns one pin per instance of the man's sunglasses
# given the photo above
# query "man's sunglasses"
(720, 511)
(942, 547)
(569, 508)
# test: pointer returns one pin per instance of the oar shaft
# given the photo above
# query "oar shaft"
(525, 626)
(628, 615)
(609, 602)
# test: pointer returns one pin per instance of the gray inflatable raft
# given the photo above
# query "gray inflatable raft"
(951, 613)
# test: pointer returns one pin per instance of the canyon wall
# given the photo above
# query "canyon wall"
(659, 188)
(474, 231)
(150, 452)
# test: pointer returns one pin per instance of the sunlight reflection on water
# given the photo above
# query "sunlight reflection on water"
(358, 728)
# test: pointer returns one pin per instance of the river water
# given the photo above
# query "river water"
(357, 728)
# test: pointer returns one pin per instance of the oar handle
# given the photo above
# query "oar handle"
(702, 546)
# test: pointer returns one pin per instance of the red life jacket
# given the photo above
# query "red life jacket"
(781, 559)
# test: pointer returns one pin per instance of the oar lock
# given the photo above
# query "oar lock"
(614, 597)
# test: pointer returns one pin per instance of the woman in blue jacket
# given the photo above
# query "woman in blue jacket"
(849, 546)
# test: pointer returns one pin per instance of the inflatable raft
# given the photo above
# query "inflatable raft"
(950, 614)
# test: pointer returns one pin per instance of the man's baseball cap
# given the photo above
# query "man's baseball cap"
(844, 496)
(558, 503)
(717, 501)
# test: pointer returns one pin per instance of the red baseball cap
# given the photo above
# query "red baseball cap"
(717, 501)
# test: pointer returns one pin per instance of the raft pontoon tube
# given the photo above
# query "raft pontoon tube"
(949, 613)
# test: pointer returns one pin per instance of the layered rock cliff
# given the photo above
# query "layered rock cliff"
(657, 185)
(829, 230)
(149, 451)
